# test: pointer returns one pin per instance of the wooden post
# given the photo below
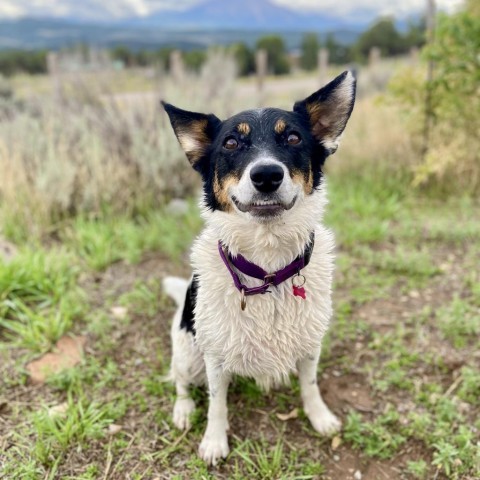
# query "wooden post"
(261, 63)
(414, 55)
(322, 61)
(53, 69)
(176, 66)
(374, 57)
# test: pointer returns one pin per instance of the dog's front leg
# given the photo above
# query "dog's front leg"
(214, 444)
(321, 418)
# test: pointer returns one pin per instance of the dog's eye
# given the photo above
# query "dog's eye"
(293, 139)
(230, 143)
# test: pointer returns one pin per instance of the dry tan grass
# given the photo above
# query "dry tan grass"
(375, 140)
(89, 149)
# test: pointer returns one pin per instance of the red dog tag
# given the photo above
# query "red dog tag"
(299, 292)
(297, 283)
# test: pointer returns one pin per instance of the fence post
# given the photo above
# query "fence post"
(53, 69)
(322, 61)
(261, 70)
(177, 69)
(374, 57)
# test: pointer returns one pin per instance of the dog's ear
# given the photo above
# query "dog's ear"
(329, 109)
(195, 131)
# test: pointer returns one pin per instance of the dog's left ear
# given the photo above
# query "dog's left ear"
(195, 131)
(329, 109)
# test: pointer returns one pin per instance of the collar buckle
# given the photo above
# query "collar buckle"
(268, 279)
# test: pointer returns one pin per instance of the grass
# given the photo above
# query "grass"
(400, 364)
(41, 300)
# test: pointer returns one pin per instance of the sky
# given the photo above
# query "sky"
(128, 8)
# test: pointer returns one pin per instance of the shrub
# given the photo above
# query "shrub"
(92, 151)
(448, 158)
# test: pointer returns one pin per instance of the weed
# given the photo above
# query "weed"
(82, 421)
(418, 468)
(469, 389)
(381, 438)
(103, 242)
(459, 322)
(39, 299)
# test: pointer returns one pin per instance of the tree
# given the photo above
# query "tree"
(32, 62)
(384, 35)
(276, 54)
(337, 52)
(310, 46)
(244, 57)
(194, 59)
(415, 35)
(123, 54)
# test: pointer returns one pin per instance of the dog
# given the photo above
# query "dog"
(259, 302)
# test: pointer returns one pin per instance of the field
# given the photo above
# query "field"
(401, 364)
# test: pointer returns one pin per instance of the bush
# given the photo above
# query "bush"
(310, 46)
(88, 152)
(276, 53)
(15, 61)
(449, 156)
(244, 57)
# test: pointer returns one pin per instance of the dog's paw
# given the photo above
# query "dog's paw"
(182, 410)
(325, 422)
(213, 448)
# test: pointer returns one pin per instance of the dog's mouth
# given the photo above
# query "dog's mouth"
(264, 208)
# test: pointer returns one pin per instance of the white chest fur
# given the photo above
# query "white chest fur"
(276, 329)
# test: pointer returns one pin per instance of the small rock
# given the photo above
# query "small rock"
(287, 416)
(113, 429)
(357, 475)
(336, 441)
(336, 458)
(58, 410)
(119, 312)
(177, 207)
(68, 352)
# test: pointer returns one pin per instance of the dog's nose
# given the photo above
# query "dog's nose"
(266, 178)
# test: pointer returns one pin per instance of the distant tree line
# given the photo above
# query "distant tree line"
(383, 35)
(28, 61)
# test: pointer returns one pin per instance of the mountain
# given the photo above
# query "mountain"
(206, 23)
(244, 14)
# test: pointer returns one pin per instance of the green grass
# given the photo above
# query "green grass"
(459, 322)
(391, 255)
(380, 438)
(39, 297)
(104, 242)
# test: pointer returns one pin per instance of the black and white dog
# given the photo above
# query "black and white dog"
(259, 302)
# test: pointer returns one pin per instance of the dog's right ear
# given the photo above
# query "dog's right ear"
(195, 131)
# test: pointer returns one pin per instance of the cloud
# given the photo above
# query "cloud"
(103, 9)
(376, 7)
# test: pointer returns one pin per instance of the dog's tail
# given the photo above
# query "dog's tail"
(176, 288)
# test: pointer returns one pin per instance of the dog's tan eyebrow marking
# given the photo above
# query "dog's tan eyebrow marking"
(280, 126)
(243, 128)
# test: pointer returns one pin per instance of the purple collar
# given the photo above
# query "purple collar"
(269, 279)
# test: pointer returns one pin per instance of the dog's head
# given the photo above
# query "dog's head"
(261, 163)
